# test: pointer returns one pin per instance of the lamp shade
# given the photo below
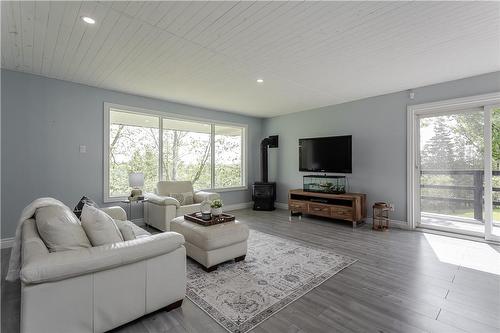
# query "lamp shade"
(136, 179)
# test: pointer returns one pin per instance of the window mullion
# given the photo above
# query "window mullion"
(107, 153)
(243, 159)
(212, 155)
(488, 179)
(160, 147)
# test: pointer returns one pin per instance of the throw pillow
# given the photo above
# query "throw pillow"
(60, 229)
(100, 227)
(138, 231)
(185, 198)
(125, 229)
(83, 201)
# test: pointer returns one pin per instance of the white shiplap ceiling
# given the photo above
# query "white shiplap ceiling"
(310, 54)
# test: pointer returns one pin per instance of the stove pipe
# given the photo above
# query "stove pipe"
(263, 160)
(270, 142)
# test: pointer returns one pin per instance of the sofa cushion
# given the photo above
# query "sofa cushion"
(185, 198)
(33, 246)
(60, 229)
(166, 187)
(100, 227)
(126, 231)
(127, 227)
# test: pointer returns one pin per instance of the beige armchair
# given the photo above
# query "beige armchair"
(162, 207)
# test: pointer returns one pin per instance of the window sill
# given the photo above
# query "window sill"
(226, 189)
(115, 199)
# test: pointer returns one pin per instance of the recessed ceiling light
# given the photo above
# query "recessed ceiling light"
(260, 81)
(88, 20)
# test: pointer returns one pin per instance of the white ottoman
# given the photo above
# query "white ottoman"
(213, 244)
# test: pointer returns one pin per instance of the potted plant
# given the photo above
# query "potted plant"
(216, 207)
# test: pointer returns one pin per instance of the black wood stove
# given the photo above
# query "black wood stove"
(264, 192)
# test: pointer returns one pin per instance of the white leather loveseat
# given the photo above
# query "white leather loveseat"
(161, 207)
(99, 288)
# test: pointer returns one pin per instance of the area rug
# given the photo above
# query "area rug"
(276, 272)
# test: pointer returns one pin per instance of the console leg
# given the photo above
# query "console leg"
(292, 213)
(240, 258)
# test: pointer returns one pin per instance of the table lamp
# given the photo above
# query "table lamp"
(136, 181)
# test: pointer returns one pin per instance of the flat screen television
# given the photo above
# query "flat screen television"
(327, 154)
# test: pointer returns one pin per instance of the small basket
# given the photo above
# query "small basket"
(380, 216)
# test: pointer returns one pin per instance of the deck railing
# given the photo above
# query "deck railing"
(477, 188)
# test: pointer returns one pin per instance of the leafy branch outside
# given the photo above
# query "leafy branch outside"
(186, 156)
(455, 143)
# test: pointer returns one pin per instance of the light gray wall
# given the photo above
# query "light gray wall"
(45, 120)
(378, 127)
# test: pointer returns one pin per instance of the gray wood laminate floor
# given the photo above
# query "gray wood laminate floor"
(403, 281)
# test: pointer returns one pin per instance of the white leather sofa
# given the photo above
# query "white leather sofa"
(99, 288)
(161, 208)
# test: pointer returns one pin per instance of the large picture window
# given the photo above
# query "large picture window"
(211, 155)
(133, 146)
(187, 153)
(228, 147)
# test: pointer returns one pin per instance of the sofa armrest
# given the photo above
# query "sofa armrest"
(66, 264)
(116, 212)
(162, 200)
(201, 196)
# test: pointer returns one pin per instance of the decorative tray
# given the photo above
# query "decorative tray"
(196, 218)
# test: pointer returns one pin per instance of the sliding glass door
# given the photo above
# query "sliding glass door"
(451, 157)
(455, 181)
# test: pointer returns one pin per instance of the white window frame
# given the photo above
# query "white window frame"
(167, 115)
(414, 112)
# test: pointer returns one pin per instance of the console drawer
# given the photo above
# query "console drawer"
(341, 212)
(319, 209)
(297, 206)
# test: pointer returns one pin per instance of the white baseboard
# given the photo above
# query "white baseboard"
(242, 205)
(393, 223)
(6, 242)
(281, 205)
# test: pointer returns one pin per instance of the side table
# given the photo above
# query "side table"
(129, 202)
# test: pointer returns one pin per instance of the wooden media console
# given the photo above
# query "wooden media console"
(348, 206)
